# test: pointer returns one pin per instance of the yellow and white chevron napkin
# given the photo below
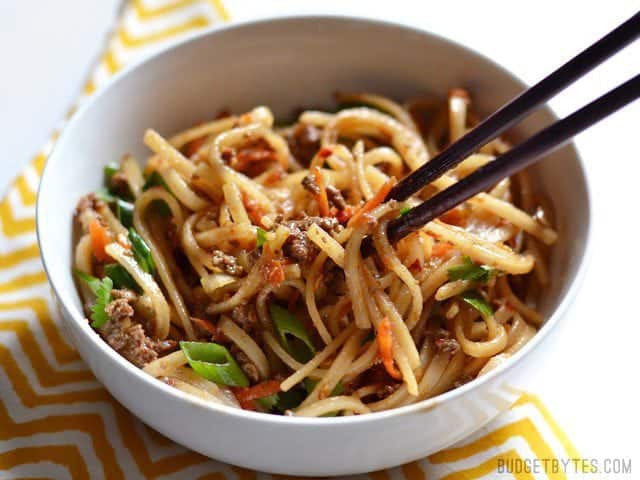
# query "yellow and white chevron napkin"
(56, 421)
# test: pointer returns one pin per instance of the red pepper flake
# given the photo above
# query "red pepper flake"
(345, 215)
(415, 266)
(325, 152)
(226, 154)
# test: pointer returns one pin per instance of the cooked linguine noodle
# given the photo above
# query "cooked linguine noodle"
(231, 266)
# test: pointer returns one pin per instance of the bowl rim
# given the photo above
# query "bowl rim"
(71, 313)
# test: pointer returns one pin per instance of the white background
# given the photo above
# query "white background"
(590, 376)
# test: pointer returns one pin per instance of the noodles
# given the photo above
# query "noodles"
(334, 404)
(233, 269)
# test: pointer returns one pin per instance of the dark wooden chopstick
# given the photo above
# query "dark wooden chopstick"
(518, 108)
(515, 159)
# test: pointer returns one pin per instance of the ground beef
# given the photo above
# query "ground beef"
(128, 339)
(87, 202)
(376, 375)
(310, 185)
(126, 336)
(445, 343)
(119, 309)
(119, 184)
(86, 210)
(385, 390)
(121, 306)
(335, 197)
(297, 246)
(245, 317)
(334, 276)
(304, 142)
(247, 366)
(253, 158)
(329, 224)
(227, 263)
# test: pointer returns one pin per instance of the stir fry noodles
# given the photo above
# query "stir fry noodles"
(230, 267)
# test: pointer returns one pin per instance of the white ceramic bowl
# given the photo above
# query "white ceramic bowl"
(286, 64)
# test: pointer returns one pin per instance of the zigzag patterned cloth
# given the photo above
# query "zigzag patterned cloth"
(56, 421)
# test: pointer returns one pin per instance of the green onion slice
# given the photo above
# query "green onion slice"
(215, 363)
(121, 278)
(155, 180)
(287, 325)
(477, 301)
(124, 212)
(142, 252)
(109, 171)
(261, 237)
(469, 270)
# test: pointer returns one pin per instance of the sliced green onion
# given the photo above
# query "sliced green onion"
(290, 399)
(287, 324)
(124, 212)
(106, 196)
(404, 211)
(141, 252)
(261, 237)
(155, 180)
(109, 171)
(269, 403)
(469, 270)
(161, 207)
(215, 363)
(121, 278)
(477, 301)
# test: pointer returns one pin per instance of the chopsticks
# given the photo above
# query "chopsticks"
(529, 151)
(516, 159)
(519, 107)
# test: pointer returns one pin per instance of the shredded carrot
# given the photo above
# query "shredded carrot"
(345, 215)
(274, 271)
(193, 146)
(325, 152)
(385, 348)
(455, 216)
(247, 395)
(207, 326)
(99, 238)
(372, 203)
(441, 249)
(321, 196)
(253, 209)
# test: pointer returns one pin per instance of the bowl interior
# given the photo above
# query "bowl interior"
(286, 64)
